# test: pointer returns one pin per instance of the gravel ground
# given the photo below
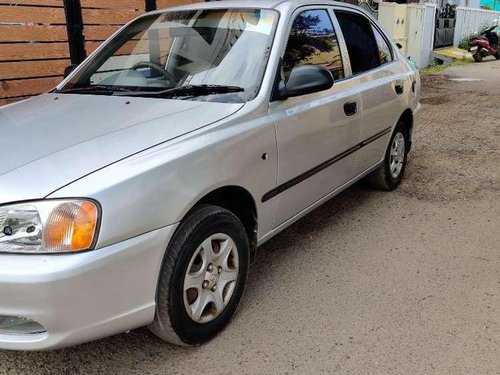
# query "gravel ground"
(406, 282)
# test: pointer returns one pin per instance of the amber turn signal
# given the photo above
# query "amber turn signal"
(71, 226)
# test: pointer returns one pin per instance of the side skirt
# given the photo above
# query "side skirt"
(316, 204)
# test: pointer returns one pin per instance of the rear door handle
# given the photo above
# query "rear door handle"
(350, 108)
(399, 88)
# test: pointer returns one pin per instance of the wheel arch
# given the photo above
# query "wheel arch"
(240, 202)
(407, 119)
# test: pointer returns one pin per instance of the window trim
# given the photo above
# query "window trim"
(374, 25)
(387, 42)
(344, 54)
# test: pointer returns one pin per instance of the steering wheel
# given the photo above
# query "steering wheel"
(160, 69)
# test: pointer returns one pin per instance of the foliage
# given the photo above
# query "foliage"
(464, 42)
(302, 44)
(436, 68)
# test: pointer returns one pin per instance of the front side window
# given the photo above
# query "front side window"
(313, 41)
(360, 41)
(213, 55)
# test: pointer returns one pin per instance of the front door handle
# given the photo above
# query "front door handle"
(399, 88)
(350, 108)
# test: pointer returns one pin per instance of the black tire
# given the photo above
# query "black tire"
(497, 55)
(381, 178)
(172, 322)
(478, 56)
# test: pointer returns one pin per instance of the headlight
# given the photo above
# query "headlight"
(51, 226)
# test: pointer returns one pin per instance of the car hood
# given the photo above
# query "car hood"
(52, 140)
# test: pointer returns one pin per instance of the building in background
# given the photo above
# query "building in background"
(490, 4)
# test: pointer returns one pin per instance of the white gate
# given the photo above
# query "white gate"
(471, 20)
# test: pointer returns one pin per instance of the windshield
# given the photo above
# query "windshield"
(210, 55)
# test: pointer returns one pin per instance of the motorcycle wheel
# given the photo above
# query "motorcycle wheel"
(478, 56)
(497, 55)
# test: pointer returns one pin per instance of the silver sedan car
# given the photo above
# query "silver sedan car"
(137, 191)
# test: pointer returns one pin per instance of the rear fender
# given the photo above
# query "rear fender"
(482, 43)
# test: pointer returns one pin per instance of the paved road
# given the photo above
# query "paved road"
(406, 282)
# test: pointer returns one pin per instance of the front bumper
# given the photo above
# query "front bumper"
(85, 296)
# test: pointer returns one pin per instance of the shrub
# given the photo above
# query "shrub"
(464, 42)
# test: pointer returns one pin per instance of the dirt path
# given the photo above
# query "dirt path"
(371, 283)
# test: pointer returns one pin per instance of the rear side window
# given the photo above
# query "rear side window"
(360, 41)
(313, 41)
(384, 50)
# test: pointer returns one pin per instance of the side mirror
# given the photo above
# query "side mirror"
(399, 45)
(303, 80)
(69, 69)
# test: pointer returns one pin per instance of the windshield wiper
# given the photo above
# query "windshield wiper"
(94, 88)
(188, 90)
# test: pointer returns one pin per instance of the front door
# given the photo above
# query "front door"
(315, 132)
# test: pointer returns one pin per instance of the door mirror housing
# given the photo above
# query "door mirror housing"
(69, 69)
(305, 79)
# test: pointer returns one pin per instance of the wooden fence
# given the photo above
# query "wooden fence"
(33, 47)
(39, 38)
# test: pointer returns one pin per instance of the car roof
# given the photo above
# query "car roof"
(230, 4)
(264, 4)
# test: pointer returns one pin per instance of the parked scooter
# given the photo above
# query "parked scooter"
(485, 43)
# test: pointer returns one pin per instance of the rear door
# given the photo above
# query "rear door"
(382, 80)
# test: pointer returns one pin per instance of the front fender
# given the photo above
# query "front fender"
(157, 187)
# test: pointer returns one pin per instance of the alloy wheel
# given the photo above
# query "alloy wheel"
(397, 155)
(211, 278)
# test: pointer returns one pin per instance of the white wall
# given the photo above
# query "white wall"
(460, 3)
(471, 20)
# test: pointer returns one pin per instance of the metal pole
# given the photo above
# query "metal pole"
(150, 5)
(74, 26)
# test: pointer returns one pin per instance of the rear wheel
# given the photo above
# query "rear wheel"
(389, 175)
(478, 56)
(497, 55)
(203, 277)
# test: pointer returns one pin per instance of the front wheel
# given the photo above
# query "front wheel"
(203, 277)
(497, 55)
(389, 175)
